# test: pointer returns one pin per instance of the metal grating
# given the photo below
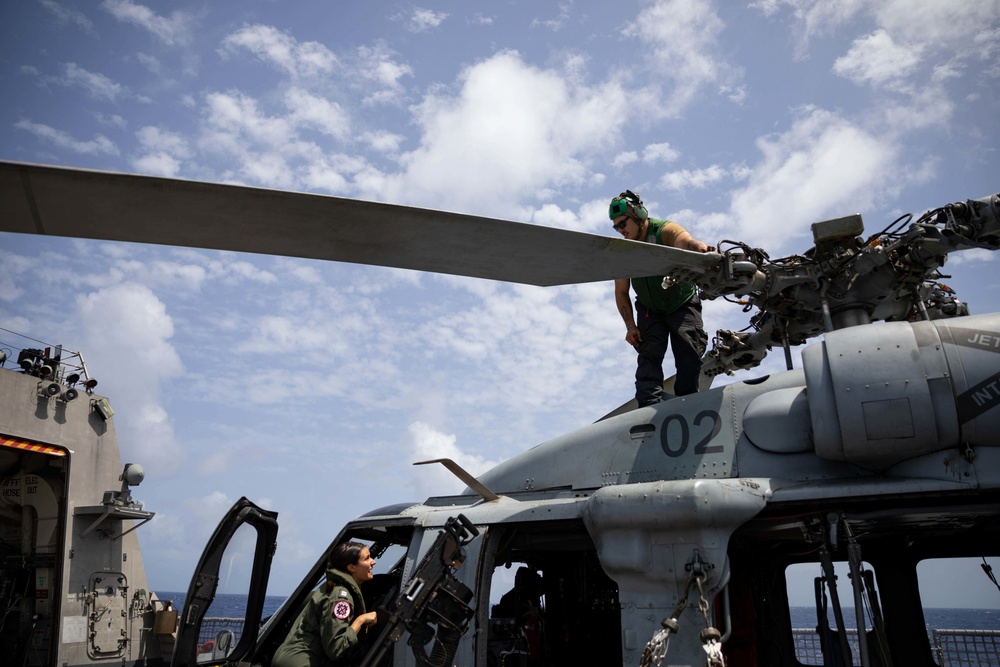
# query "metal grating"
(952, 648)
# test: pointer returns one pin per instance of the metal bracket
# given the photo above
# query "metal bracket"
(698, 567)
(104, 512)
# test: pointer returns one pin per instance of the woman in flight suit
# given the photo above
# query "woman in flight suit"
(326, 632)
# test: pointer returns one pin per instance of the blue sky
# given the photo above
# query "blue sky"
(310, 387)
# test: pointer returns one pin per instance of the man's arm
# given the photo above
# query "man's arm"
(624, 304)
(685, 241)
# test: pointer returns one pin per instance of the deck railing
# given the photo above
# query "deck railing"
(952, 648)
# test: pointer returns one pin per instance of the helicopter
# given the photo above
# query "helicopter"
(656, 533)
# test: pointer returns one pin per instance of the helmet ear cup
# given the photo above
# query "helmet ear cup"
(637, 207)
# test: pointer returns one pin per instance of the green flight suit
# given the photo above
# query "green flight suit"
(322, 635)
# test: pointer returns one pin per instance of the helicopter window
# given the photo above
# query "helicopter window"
(960, 583)
(960, 598)
(818, 607)
(549, 601)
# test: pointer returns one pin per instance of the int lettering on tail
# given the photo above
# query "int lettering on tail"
(986, 394)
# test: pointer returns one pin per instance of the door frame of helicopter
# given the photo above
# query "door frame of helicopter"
(611, 608)
(559, 531)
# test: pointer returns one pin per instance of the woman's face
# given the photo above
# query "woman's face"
(362, 570)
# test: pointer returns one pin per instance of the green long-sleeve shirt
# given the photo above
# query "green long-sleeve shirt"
(322, 634)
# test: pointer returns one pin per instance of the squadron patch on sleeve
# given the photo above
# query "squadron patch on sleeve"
(342, 610)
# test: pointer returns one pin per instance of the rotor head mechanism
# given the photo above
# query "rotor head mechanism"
(976, 220)
(829, 233)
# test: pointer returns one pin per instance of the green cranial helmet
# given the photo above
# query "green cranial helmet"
(627, 203)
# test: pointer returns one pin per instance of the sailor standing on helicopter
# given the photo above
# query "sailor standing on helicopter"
(666, 316)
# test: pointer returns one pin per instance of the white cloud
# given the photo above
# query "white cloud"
(157, 164)
(378, 66)
(736, 94)
(383, 141)
(216, 462)
(238, 271)
(96, 146)
(275, 334)
(698, 178)
(12, 269)
(66, 15)
(557, 23)
(210, 509)
(428, 443)
(270, 149)
(165, 528)
(551, 215)
(624, 159)
(422, 20)
(966, 29)
(270, 45)
(487, 145)
(316, 112)
(152, 63)
(127, 330)
(154, 138)
(822, 166)
(972, 256)
(680, 37)
(659, 153)
(97, 86)
(172, 30)
(816, 16)
(877, 60)
(162, 152)
(929, 105)
(324, 175)
(235, 126)
(113, 120)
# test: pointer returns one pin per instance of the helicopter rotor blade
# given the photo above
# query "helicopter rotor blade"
(59, 201)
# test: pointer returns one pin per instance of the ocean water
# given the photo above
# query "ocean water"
(226, 605)
(234, 606)
(934, 618)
